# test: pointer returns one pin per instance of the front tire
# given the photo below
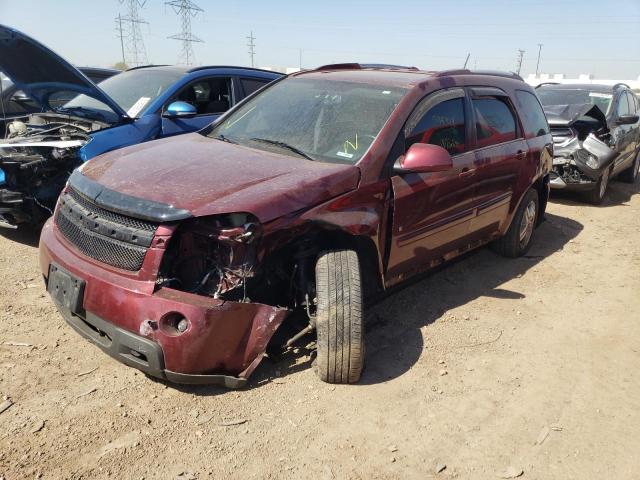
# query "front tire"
(596, 196)
(340, 355)
(517, 240)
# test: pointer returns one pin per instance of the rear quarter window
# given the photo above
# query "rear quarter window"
(533, 118)
(495, 122)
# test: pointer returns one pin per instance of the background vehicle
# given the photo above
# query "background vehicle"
(319, 192)
(139, 105)
(596, 132)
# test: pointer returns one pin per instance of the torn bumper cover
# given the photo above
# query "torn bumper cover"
(578, 165)
(166, 333)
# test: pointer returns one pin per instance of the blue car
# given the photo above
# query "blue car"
(39, 151)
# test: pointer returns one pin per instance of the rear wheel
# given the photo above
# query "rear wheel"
(596, 195)
(517, 240)
(630, 175)
(340, 354)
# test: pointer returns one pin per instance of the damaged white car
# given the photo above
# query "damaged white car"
(596, 134)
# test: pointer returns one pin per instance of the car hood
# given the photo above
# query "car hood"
(206, 177)
(39, 72)
(566, 115)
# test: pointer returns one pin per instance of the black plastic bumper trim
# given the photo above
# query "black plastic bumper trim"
(126, 204)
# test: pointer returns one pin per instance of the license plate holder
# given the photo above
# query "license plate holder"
(66, 289)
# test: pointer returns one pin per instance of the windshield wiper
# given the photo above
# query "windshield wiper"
(222, 138)
(284, 145)
(87, 111)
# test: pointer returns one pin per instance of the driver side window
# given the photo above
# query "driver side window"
(208, 96)
(442, 125)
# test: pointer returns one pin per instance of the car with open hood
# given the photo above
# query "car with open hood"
(183, 257)
(596, 134)
(38, 151)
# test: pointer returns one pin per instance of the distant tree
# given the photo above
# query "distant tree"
(120, 66)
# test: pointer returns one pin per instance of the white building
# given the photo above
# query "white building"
(534, 80)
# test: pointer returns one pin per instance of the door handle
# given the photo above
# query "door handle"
(521, 155)
(467, 172)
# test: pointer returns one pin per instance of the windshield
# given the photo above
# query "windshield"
(132, 90)
(316, 119)
(577, 96)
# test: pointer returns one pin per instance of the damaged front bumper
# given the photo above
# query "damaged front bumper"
(134, 322)
(579, 164)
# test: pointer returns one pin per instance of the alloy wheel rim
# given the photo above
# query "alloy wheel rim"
(527, 223)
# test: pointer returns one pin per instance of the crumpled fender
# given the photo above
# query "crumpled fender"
(587, 150)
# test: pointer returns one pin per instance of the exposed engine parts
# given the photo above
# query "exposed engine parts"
(37, 156)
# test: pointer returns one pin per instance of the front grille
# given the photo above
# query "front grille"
(106, 236)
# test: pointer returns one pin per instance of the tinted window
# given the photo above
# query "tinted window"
(442, 125)
(622, 107)
(250, 85)
(208, 96)
(531, 113)
(495, 122)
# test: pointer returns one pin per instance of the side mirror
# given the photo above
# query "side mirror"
(180, 110)
(424, 158)
(628, 119)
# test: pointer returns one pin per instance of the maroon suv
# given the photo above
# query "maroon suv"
(181, 257)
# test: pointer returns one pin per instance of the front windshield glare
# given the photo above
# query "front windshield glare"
(317, 119)
(132, 91)
(566, 96)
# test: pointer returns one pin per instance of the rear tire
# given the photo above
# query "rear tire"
(340, 355)
(517, 240)
(596, 196)
(630, 175)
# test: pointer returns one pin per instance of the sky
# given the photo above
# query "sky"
(578, 36)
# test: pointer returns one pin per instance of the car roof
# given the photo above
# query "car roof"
(189, 69)
(393, 76)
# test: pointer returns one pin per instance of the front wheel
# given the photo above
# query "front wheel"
(596, 196)
(517, 240)
(339, 328)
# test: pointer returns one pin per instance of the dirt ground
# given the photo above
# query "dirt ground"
(489, 367)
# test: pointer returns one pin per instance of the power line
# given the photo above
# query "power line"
(520, 57)
(186, 9)
(136, 53)
(252, 48)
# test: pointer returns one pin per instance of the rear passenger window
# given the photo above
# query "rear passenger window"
(495, 122)
(533, 117)
(623, 106)
(250, 85)
(442, 125)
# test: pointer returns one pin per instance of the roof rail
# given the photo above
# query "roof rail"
(146, 66)
(464, 71)
(620, 84)
(361, 66)
(547, 83)
(206, 67)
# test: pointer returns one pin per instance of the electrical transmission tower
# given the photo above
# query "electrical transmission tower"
(520, 57)
(252, 48)
(128, 28)
(186, 9)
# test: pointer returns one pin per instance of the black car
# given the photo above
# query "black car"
(596, 135)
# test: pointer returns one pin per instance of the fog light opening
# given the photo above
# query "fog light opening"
(174, 323)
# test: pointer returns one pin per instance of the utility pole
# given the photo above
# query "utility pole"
(186, 9)
(520, 57)
(538, 63)
(252, 48)
(136, 50)
(120, 31)
(466, 61)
